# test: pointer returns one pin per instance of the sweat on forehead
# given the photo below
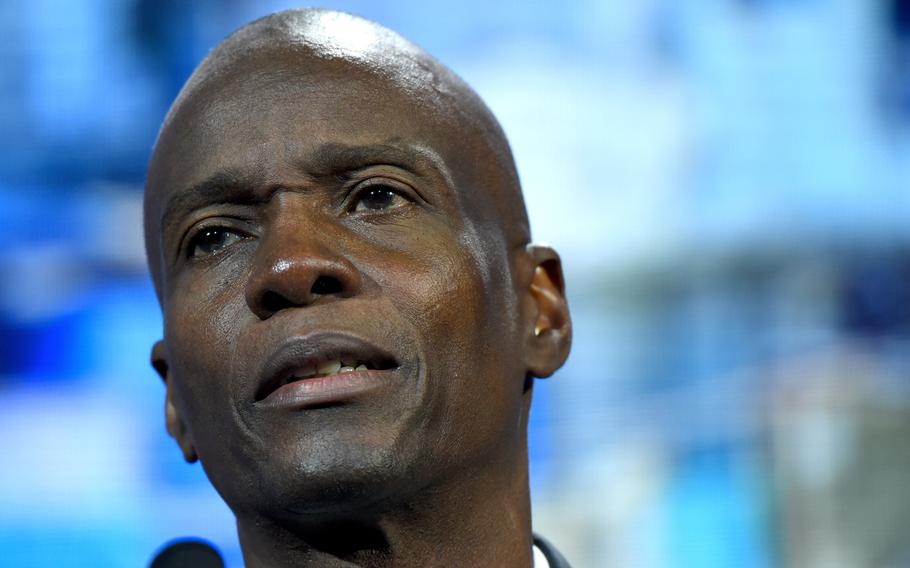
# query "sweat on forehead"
(316, 45)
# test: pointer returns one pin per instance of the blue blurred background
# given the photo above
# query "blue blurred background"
(728, 182)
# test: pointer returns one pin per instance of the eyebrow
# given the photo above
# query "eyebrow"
(228, 185)
(327, 162)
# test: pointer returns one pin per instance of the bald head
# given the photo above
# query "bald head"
(300, 54)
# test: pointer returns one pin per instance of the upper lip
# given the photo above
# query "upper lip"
(316, 348)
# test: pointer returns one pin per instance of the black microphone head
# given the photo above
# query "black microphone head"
(188, 553)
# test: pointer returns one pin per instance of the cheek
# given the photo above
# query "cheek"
(465, 317)
(201, 329)
(205, 307)
(465, 303)
(443, 295)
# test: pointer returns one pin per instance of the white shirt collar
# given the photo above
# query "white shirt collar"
(540, 561)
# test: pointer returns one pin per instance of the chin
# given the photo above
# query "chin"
(325, 478)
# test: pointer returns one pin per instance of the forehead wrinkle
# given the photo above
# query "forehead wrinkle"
(332, 159)
(328, 160)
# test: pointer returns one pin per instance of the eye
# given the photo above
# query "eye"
(211, 240)
(379, 197)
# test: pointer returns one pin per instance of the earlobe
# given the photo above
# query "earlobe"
(173, 422)
(177, 428)
(548, 327)
(159, 359)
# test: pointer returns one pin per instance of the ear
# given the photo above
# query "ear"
(547, 326)
(174, 423)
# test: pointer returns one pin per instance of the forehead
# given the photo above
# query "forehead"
(271, 110)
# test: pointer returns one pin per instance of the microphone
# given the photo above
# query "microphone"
(188, 553)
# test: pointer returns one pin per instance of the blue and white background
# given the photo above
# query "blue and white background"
(728, 182)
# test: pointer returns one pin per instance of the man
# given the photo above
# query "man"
(353, 314)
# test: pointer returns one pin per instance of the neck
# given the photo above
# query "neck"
(475, 520)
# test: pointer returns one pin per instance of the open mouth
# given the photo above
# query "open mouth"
(317, 368)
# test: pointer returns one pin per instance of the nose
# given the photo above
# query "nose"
(298, 271)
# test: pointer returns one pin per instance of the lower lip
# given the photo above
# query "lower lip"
(323, 391)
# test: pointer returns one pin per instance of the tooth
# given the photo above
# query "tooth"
(346, 369)
(305, 373)
(361, 367)
(348, 362)
(329, 367)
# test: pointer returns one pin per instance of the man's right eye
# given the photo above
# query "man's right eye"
(211, 240)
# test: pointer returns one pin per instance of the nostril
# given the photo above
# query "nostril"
(273, 302)
(325, 286)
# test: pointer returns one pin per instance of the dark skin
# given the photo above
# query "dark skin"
(315, 192)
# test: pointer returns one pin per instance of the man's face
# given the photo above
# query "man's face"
(308, 217)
